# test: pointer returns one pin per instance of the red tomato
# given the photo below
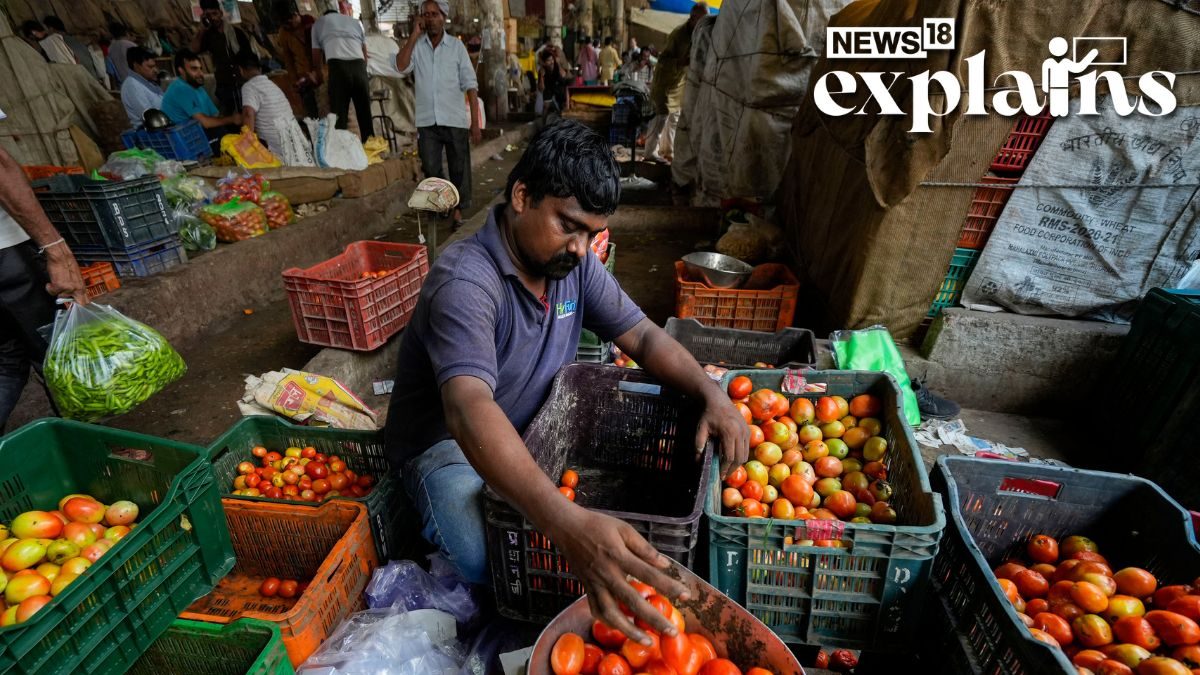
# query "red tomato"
(269, 587)
(288, 589)
(1055, 625)
(638, 654)
(759, 671)
(591, 659)
(566, 657)
(707, 651)
(822, 659)
(614, 664)
(567, 492)
(658, 667)
(1042, 548)
(1136, 630)
(740, 387)
(737, 478)
(316, 469)
(308, 452)
(608, 637)
(680, 654)
(842, 661)
(1187, 605)
(569, 479)
(661, 605)
(1174, 629)
(643, 589)
(720, 667)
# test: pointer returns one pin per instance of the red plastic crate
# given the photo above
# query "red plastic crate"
(333, 305)
(99, 278)
(38, 172)
(766, 303)
(986, 207)
(1022, 142)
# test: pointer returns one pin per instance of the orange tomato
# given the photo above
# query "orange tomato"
(1008, 570)
(740, 387)
(1089, 596)
(638, 654)
(865, 405)
(1045, 569)
(751, 508)
(567, 492)
(1136, 582)
(757, 437)
(1031, 584)
(752, 490)
(802, 411)
(607, 636)
(1042, 548)
(1063, 569)
(681, 655)
(1055, 625)
(1037, 606)
(1044, 637)
(1060, 591)
(1136, 630)
(797, 490)
(1188, 655)
(569, 479)
(662, 606)
(702, 644)
(780, 407)
(591, 659)
(842, 504)
(1187, 605)
(1123, 605)
(744, 410)
(720, 667)
(658, 667)
(762, 404)
(1088, 556)
(1088, 658)
(643, 589)
(783, 510)
(1174, 629)
(827, 410)
(788, 422)
(737, 477)
(759, 671)
(1161, 665)
(1010, 589)
(677, 620)
(1164, 596)
(1067, 610)
(566, 657)
(1025, 619)
(613, 664)
(1112, 667)
(1092, 631)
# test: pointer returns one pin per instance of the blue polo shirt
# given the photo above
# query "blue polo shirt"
(475, 318)
(181, 101)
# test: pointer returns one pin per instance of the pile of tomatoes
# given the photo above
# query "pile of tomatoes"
(299, 474)
(568, 483)
(823, 461)
(1108, 623)
(286, 588)
(613, 654)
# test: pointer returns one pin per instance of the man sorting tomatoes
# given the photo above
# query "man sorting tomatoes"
(498, 315)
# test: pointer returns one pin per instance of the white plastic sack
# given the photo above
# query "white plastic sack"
(335, 148)
(1105, 211)
(294, 147)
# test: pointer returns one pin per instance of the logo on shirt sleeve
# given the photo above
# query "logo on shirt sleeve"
(564, 309)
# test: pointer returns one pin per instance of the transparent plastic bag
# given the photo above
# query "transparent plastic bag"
(102, 363)
(388, 642)
(874, 349)
(235, 220)
(249, 186)
(131, 163)
(404, 585)
(195, 234)
(278, 209)
(187, 191)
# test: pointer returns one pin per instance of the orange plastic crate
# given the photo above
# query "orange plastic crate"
(99, 278)
(334, 305)
(1022, 142)
(766, 303)
(329, 547)
(40, 172)
(986, 207)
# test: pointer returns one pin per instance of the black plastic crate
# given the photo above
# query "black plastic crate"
(733, 348)
(96, 215)
(142, 260)
(996, 505)
(631, 441)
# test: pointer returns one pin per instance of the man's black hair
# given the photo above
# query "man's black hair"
(183, 56)
(567, 159)
(54, 23)
(608, 40)
(247, 59)
(30, 26)
(210, 4)
(118, 30)
(138, 55)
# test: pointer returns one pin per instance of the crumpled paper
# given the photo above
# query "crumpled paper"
(306, 398)
(936, 433)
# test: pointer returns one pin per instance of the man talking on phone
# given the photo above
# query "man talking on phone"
(223, 41)
(445, 122)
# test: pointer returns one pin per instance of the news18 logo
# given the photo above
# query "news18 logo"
(1069, 69)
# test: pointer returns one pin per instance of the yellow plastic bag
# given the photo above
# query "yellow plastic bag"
(375, 147)
(247, 151)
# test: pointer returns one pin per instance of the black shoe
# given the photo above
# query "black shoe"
(932, 405)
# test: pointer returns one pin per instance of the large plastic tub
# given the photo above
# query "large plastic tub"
(179, 550)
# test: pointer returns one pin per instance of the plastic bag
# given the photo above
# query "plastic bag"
(248, 186)
(874, 349)
(389, 642)
(374, 147)
(246, 150)
(102, 363)
(335, 148)
(278, 209)
(195, 234)
(235, 220)
(295, 148)
(600, 246)
(404, 585)
(187, 191)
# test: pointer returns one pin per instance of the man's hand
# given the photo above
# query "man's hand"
(603, 551)
(65, 278)
(722, 420)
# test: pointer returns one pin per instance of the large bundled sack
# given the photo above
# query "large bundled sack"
(872, 211)
(747, 78)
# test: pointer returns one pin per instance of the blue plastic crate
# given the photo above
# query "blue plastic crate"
(182, 141)
(141, 261)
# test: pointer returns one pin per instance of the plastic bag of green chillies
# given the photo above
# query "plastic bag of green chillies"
(102, 363)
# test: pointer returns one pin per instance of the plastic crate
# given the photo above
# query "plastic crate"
(45, 171)
(97, 215)
(732, 348)
(766, 303)
(328, 546)
(1022, 143)
(995, 506)
(1157, 374)
(986, 206)
(867, 596)
(183, 142)
(363, 452)
(142, 260)
(99, 278)
(122, 603)
(634, 453)
(244, 647)
(956, 280)
(333, 306)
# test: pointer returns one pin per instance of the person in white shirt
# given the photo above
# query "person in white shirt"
(339, 41)
(140, 91)
(443, 73)
(265, 108)
(118, 50)
(35, 267)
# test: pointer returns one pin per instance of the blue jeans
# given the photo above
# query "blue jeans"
(448, 494)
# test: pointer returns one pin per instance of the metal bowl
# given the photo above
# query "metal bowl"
(735, 632)
(717, 270)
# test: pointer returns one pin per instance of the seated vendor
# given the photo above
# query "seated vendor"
(140, 91)
(499, 314)
(187, 99)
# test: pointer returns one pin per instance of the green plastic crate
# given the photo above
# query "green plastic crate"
(243, 647)
(591, 349)
(362, 450)
(866, 597)
(120, 605)
(956, 280)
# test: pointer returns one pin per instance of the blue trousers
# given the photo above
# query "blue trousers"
(448, 494)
